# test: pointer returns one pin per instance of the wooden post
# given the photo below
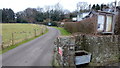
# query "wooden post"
(26, 36)
(35, 32)
(42, 30)
(114, 18)
(2, 46)
(12, 38)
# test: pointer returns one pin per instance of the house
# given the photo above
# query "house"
(81, 16)
(105, 21)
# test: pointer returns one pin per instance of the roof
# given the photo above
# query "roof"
(101, 12)
(105, 12)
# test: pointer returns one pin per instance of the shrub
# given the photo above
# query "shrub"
(86, 26)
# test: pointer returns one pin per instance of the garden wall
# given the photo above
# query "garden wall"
(104, 49)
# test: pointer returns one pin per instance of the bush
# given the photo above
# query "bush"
(87, 26)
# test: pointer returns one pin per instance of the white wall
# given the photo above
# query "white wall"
(80, 16)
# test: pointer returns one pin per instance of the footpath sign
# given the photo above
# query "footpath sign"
(60, 51)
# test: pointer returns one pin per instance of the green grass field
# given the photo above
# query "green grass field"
(19, 32)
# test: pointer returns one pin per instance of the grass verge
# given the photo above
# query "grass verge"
(14, 46)
(63, 31)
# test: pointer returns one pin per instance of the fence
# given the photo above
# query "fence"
(17, 37)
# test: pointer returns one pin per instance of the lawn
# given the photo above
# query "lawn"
(15, 33)
(63, 31)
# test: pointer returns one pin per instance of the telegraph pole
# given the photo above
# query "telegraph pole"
(78, 12)
(114, 18)
(49, 15)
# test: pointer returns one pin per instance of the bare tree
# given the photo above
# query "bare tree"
(82, 6)
(58, 6)
(47, 8)
(40, 9)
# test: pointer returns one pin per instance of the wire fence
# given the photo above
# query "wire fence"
(17, 37)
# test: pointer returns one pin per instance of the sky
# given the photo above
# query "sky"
(20, 5)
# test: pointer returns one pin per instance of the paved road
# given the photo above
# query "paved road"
(37, 52)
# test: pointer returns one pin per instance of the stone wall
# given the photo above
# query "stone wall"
(105, 49)
(67, 43)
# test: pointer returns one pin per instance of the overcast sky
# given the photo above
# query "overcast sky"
(20, 5)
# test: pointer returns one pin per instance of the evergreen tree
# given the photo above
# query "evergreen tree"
(97, 7)
(102, 6)
(93, 7)
(8, 16)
